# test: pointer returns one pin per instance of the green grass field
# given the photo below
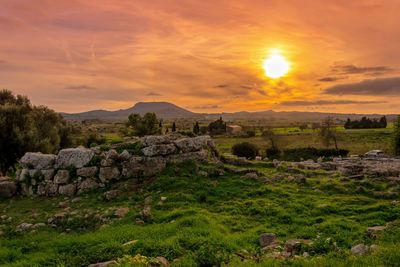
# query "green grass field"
(208, 221)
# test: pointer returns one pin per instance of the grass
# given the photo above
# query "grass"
(205, 221)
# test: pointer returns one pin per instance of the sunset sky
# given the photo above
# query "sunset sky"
(207, 56)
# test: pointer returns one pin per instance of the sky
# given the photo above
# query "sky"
(206, 56)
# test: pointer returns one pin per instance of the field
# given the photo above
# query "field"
(208, 221)
(356, 141)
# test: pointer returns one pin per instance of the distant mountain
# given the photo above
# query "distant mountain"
(170, 111)
(162, 110)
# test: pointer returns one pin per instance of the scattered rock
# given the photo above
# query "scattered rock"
(87, 171)
(109, 173)
(373, 248)
(163, 199)
(111, 195)
(374, 231)
(7, 188)
(203, 173)
(38, 225)
(76, 200)
(251, 175)
(292, 246)
(103, 264)
(267, 239)
(67, 190)
(359, 249)
(121, 212)
(130, 243)
(24, 227)
(163, 261)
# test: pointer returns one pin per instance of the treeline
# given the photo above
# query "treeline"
(366, 123)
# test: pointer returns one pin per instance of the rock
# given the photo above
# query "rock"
(359, 249)
(192, 144)
(24, 226)
(125, 155)
(23, 175)
(163, 199)
(152, 166)
(51, 189)
(386, 195)
(139, 221)
(159, 150)
(48, 174)
(56, 219)
(121, 212)
(251, 175)
(7, 188)
(111, 195)
(163, 261)
(203, 173)
(37, 161)
(38, 225)
(109, 173)
(76, 157)
(112, 154)
(67, 190)
(103, 264)
(306, 254)
(373, 248)
(132, 168)
(130, 243)
(201, 156)
(301, 179)
(76, 200)
(292, 246)
(267, 239)
(152, 140)
(87, 185)
(374, 231)
(61, 177)
(87, 171)
(106, 162)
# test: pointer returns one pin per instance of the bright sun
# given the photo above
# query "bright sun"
(276, 65)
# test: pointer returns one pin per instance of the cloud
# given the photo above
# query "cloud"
(376, 87)
(206, 107)
(353, 69)
(153, 94)
(81, 87)
(327, 102)
(331, 79)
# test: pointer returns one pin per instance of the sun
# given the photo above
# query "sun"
(276, 66)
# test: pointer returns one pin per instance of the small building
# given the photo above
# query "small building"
(234, 129)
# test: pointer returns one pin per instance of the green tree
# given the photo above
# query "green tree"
(196, 128)
(146, 125)
(24, 127)
(396, 137)
(328, 133)
(173, 127)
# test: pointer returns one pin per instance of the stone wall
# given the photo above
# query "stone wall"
(76, 170)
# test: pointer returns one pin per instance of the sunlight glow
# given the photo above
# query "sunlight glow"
(276, 66)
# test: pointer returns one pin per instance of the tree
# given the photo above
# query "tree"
(328, 133)
(196, 128)
(396, 137)
(303, 126)
(173, 127)
(245, 149)
(217, 127)
(160, 124)
(24, 127)
(146, 125)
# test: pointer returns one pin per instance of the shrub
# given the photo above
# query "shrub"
(245, 149)
(296, 154)
(250, 133)
(273, 153)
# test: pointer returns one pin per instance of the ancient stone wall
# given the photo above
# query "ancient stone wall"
(76, 170)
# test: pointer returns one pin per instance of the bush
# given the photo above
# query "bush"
(250, 133)
(245, 149)
(273, 153)
(296, 154)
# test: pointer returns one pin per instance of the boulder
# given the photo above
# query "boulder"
(76, 157)
(193, 144)
(153, 166)
(111, 195)
(24, 226)
(132, 168)
(374, 231)
(87, 185)
(292, 246)
(48, 174)
(159, 150)
(121, 212)
(62, 177)
(109, 173)
(251, 175)
(103, 264)
(125, 155)
(87, 171)
(67, 190)
(359, 249)
(37, 161)
(267, 239)
(7, 188)
(112, 154)
(201, 155)
(51, 189)
(152, 140)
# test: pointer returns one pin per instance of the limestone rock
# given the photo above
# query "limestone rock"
(51, 189)
(109, 173)
(103, 264)
(152, 166)
(267, 239)
(76, 157)
(68, 190)
(360, 249)
(193, 144)
(152, 140)
(62, 177)
(292, 246)
(159, 150)
(7, 188)
(111, 195)
(48, 174)
(87, 185)
(132, 168)
(37, 161)
(87, 171)
(24, 227)
(374, 231)
(125, 155)
(121, 212)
